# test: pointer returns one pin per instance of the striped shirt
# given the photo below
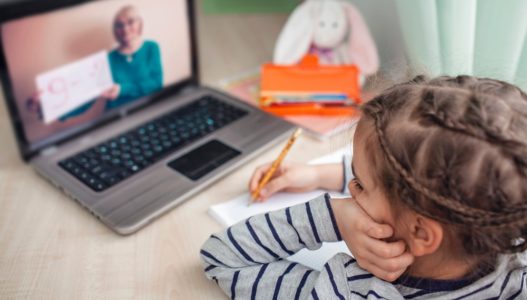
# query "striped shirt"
(248, 261)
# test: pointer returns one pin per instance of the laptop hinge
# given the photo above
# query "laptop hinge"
(49, 150)
(188, 89)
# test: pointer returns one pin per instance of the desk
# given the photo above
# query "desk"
(52, 248)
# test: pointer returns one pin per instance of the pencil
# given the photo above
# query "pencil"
(275, 165)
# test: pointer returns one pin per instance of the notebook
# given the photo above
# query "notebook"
(236, 210)
(246, 86)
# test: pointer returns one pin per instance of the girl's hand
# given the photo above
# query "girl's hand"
(289, 177)
(365, 239)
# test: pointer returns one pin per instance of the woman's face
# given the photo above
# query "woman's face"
(127, 27)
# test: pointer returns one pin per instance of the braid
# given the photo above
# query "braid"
(461, 113)
(476, 122)
(463, 213)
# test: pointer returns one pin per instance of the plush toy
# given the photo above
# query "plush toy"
(331, 29)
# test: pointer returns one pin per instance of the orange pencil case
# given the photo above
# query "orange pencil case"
(309, 79)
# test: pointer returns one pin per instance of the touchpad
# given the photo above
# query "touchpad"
(204, 159)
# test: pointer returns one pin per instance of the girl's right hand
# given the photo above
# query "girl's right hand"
(289, 177)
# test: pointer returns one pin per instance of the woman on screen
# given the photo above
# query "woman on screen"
(135, 65)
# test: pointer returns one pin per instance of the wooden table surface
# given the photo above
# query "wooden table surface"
(52, 248)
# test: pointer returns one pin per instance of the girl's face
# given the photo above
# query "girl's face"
(367, 193)
(127, 27)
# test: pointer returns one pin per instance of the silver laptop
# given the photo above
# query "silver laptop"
(105, 103)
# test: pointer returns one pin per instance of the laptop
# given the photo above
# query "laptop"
(105, 102)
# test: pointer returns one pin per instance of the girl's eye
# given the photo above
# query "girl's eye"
(357, 184)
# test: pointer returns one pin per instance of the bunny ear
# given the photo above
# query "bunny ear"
(361, 47)
(296, 36)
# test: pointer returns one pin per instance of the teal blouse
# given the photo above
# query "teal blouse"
(138, 74)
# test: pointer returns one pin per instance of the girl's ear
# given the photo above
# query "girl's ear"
(425, 235)
(296, 36)
(361, 47)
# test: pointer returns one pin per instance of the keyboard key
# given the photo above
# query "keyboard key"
(97, 170)
(118, 158)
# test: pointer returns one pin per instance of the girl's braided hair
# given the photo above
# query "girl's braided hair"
(455, 149)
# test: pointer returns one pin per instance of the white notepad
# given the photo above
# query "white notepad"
(72, 85)
(236, 210)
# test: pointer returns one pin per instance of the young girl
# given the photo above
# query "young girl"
(441, 161)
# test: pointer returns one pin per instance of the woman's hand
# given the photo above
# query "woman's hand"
(112, 93)
(33, 105)
(365, 239)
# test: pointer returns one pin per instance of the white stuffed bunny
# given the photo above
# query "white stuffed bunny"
(333, 30)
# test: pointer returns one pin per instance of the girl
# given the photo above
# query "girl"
(444, 163)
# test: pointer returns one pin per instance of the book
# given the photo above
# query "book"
(237, 209)
(246, 87)
(309, 88)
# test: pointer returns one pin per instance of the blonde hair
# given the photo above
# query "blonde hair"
(126, 10)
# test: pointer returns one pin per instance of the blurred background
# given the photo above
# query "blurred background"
(240, 25)
(477, 37)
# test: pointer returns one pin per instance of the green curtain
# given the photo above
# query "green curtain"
(478, 37)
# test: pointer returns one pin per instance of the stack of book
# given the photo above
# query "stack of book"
(246, 86)
(309, 89)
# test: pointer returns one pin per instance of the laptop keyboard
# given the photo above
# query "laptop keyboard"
(118, 158)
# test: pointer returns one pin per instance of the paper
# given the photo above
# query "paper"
(233, 211)
(63, 89)
(236, 210)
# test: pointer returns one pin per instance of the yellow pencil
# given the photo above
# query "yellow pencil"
(275, 165)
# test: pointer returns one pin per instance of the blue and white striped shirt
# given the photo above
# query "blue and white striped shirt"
(248, 262)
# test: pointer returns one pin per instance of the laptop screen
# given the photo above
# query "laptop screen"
(71, 67)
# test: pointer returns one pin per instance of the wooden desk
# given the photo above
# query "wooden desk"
(52, 248)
